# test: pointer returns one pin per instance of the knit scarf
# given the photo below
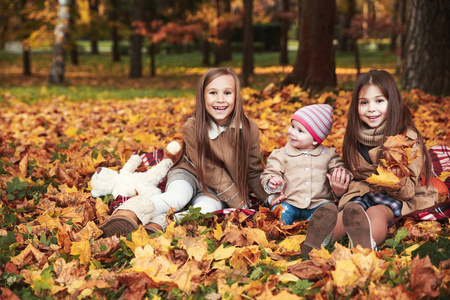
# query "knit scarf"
(371, 136)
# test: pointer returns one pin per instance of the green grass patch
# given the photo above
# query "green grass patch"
(33, 94)
(97, 77)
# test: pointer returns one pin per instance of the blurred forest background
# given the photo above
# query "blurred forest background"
(163, 46)
(65, 66)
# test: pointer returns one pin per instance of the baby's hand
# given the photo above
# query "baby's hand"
(339, 181)
(279, 198)
(275, 182)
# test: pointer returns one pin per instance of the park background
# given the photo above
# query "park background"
(83, 84)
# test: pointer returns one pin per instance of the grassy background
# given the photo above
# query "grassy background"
(97, 77)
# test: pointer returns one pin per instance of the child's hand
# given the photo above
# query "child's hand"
(275, 182)
(339, 181)
(397, 171)
(279, 198)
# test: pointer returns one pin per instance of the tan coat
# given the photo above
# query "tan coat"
(223, 181)
(412, 194)
(304, 172)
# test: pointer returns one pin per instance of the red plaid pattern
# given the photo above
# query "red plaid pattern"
(440, 160)
(153, 158)
(439, 212)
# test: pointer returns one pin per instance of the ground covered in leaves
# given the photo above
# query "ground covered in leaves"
(50, 246)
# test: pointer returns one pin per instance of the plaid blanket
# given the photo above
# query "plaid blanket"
(440, 160)
(440, 156)
(439, 212)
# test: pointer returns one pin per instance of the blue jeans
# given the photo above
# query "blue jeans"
(291, 213)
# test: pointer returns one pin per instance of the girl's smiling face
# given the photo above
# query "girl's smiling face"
(220, 96)
(372, 106)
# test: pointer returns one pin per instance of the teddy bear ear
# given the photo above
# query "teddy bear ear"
(173, 147)
(172, 150)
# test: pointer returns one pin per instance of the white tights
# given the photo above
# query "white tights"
(178, 194)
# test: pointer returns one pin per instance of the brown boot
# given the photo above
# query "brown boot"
(122, 222)
(321, 224)
(357, 225)
(153, 228)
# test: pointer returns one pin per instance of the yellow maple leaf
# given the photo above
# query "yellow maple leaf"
(245, 256)
(185, 275)
(290, 245)
(72, 213)
(90, 231)
(139, 238)
(345, 275)
(83, 249)
(384, 178)
(101, 209)
(222, 253)
(99, 159)
(48, 222)
(26, 256)
(320, 255)
(196, 247)
(143, 256)
(71, 131)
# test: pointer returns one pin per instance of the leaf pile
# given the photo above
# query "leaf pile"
(49, 239)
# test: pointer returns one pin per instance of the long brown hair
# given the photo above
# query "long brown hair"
(240, 140)
(398, 119)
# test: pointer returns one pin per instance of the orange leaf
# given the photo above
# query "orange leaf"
(425, 280)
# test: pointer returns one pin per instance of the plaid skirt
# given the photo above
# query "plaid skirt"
(369, 200)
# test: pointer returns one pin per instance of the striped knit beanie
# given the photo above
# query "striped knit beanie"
(317, 119)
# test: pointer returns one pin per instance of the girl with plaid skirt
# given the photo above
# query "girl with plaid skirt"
(377, 110)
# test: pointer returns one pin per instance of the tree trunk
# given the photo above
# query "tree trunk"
(26, 61)
(93, 11)
(151, 50)
(115, 43)
(427, 59)
(247, 64)
(136, 41)
(227, 34)
(113, 16)
(72, 41)
(223, 50)
(205, 52)
(314, 68)
(284, 59)
(74, 55)
(345, 40)
(401, 36)
(218, 47)
(393, 31)
(58, 59)
(356, 54)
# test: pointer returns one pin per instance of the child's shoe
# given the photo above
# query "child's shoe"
(320, 226)
(357, 225)
(118, 225)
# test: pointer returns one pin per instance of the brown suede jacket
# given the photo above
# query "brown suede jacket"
(222, 181)
(412, 193)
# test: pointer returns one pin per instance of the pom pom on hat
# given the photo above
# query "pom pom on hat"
(317, 119)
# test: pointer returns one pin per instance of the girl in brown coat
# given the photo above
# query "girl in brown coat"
(377, 110)
(220, 160)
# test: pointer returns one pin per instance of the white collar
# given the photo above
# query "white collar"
(215, 130)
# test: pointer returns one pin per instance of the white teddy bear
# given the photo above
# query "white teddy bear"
(127, 182)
